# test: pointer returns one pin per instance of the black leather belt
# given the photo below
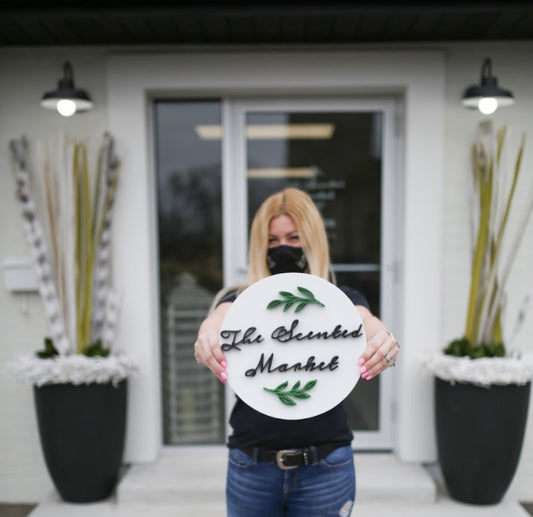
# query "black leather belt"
(287, 459)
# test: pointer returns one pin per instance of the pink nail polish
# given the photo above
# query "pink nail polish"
(361, 361)
(363, 369)
(368, 377)
(224, 364)
(223, 377)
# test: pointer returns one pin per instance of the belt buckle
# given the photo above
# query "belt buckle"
(280, 459)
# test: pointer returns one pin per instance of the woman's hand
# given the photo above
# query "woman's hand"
(207, 349)
(381, 349)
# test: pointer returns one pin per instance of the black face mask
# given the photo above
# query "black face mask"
(286, 259)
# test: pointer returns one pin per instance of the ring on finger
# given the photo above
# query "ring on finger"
(387, 358)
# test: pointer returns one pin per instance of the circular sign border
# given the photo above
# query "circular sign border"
(247, 301)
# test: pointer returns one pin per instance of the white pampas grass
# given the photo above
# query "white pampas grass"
(73, 369)
(481, 372)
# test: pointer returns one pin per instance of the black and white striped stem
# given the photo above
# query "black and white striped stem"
(35, 237)
(107, 179)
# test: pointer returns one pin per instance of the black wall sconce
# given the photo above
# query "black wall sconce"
(67, 99)
(487, 96)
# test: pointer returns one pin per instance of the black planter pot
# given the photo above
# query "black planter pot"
(479, 438)
(82, 430)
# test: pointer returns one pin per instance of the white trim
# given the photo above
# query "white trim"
(393, 223)
(232, 201)
(235, 208)
(417, 75)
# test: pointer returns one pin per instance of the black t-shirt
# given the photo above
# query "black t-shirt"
(254, 429)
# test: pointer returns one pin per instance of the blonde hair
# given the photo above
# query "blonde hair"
(298, 205)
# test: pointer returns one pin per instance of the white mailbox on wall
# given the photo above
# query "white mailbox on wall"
(19, 274)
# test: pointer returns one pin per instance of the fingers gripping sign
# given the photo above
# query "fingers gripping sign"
(207, 350)
(381, 353)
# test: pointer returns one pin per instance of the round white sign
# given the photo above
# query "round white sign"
(292, 342)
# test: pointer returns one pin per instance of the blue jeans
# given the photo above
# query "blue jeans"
(258, 489)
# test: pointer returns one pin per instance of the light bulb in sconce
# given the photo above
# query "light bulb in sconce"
(67, 99)
(488, 105)
(487, 96)
(66, 107)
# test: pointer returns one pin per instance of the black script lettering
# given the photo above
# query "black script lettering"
(309, 366)
(247, 338)
(339, 332)
(261, 366)
(358, 332)
(284, 334)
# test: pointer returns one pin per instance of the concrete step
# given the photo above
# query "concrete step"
(179, 476)
(184, 475)
(442, 507)
(189, 481)
(384, 478)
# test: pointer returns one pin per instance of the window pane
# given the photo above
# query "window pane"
(190, 264)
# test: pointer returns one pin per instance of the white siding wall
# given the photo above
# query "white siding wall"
(24, 76)
(513, 67)
(26, 73)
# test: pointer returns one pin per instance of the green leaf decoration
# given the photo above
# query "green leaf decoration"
(302, 395)
(291, 299)
(286, 294)
(288, 305)
(96, 350)
(306, 292)
(274, 303)
(49, 349)
(464, 348)
(309, 385)
(286, 400)
(300, 306)
(286, 397)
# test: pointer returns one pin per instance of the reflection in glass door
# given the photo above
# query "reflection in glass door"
(340, 153)
(190, 264)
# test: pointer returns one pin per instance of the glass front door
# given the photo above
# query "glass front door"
(340, 152)
(217, 160)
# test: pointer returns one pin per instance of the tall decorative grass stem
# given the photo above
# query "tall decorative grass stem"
(39, 250)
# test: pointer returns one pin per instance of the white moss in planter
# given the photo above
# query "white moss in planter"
(73, 369)
(481, 372)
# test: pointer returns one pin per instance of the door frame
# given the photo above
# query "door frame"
(418, 75)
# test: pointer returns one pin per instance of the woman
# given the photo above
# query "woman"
(315, 477)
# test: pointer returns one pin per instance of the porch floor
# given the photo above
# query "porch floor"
(187, 481)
